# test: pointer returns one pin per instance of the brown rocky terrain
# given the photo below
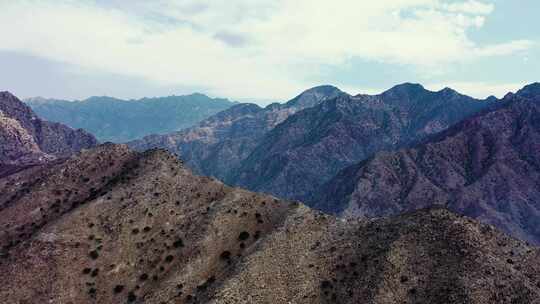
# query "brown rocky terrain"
(110, 225)
(486, 167)
(26, 139)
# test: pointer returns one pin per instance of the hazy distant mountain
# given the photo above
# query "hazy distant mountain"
(26, 139)
(218, 145)
(486, 167)
(113, 226)
(116, 120)
(296, 157)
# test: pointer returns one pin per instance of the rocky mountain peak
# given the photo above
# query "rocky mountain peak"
(4, 95)
(448, 92)
(26, 139)
(404, 90)
(315, 95)
(114, 226)
(11, 106)
(485, 166)
(530, 91)
(491, 98)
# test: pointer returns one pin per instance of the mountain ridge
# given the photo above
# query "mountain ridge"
(142, 228)
(218, 144)
(28, 140)
(118, 120)
(485, 167)
(297, 156)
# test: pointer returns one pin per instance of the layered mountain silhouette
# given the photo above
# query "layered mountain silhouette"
(26, 139)
(219, 144)
(110, 225)
(309, 148)
(117, 120)
(335, 153)
(486, 167)
(290, 150)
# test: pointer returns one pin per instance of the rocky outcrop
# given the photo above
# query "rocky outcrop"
(110, 225)
(486, 167)
(26, 139)
(17, 144)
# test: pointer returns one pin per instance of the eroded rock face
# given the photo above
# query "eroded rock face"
(27, 140)
(487, 167)
(218, 145)
(110, 225)
(18, 145)
(294, 159)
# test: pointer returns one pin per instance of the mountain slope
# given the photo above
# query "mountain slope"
(116, 120)
(26, 139)
(487, 167)
(217, 145)
(309, 148)
(114, 226)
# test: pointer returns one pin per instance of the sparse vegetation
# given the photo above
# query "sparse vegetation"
(94, 254)
(118, 288)
(178, 243)
(244, 235)
(225, 255)
(131, 297)
(95, 272)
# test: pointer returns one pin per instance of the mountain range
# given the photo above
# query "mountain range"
(313, 154)
(291, 149)
(219, 144)
(117, 120)
(298, 156)
(26, 139)
(110, 225)
(487, 167)
(405, 193)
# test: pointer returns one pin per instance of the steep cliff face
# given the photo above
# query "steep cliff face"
(26, 139)
(294, 159)
(109, 225)
(487, 167)
(18, 145)
(220, 143)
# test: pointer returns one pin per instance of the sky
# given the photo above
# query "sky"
(265, 50)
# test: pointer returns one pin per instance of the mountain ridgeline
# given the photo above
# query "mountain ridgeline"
(298, 156)
(486, 167)
(81, 223)
(117, 120)
(110, 225)
(27, 140)
(336, 153)
(290, 150)
(218, 145)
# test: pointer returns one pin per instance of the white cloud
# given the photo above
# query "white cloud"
(505, 48)
(470, 7)
(261, 49)
(479, 89)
